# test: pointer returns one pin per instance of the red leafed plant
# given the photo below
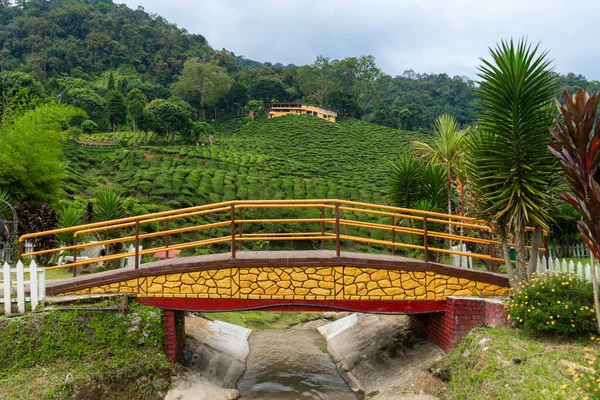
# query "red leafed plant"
(578, 151)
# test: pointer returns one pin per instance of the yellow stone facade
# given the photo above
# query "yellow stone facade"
(302, 283)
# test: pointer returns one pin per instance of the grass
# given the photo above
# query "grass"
(259, 320)
(484, 366)
(79, 354)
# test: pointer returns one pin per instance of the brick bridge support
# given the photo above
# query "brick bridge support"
(174, 329)
(460, 316)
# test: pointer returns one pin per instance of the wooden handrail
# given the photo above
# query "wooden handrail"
(225, 213)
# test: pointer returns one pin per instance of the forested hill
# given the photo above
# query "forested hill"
(113, 61)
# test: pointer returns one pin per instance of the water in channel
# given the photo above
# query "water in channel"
(291, 364)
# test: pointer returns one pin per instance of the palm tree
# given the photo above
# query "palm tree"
(447, 149)
(510, 168)
(109, 207)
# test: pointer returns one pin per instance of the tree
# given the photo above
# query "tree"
(18, 92)
(88, 126)
(210, 82)
(68, 217)
(169, 117)
(86, 99)
(39, 219)
(116, 109)
(111, 83)
(316, 80)
(413, 181)
(238, 95)
(267, 90)
(510, 168)
(578, 152)
(136, 102)
(32, 153)
(109, 206)
(447, 150)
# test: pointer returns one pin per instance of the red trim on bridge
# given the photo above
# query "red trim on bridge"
(367, 306)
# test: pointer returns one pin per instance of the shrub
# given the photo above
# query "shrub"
(560, 303)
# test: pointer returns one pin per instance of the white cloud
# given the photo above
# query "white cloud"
(424, 35)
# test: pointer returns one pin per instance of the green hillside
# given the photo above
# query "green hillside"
(292, 157)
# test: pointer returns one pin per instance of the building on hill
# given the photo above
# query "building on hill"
(281, 109)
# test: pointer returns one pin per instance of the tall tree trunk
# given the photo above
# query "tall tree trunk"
(521, 269)
(535, 251)
(506, 252)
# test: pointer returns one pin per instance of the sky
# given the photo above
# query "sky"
(427, 36)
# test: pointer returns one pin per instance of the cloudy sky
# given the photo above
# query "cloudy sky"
(431, 36)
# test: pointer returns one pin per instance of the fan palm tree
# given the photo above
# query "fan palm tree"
(447, 149)
(509, 165)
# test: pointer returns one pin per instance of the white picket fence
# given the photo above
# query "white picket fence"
(556, 266)
(458, 260)
(580, 250)
(37, 287)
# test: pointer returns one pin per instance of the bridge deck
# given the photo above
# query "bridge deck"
(249, 259)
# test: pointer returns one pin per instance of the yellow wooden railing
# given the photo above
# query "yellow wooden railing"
(328, 229)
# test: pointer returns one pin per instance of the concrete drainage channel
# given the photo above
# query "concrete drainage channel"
(359, 356)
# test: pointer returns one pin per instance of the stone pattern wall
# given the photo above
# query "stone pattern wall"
(303, 283)
(461, 315)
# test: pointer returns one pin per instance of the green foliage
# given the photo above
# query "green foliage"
(169, 116)
(136, 102)
(68, 217)
(267, 90)
(411, 181)
(108, 205)
(88, 126)
(509, 161)
(87, 99)
(511, 172)
(208, 81)
(18, 92)
(32, 151)
(101, 352)
(513, 364)
(116, 109)
(561, 303)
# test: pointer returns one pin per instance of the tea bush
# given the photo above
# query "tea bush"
(561, 303)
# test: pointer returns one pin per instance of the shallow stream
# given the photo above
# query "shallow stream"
(291, 364)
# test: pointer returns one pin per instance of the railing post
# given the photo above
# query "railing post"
(546, 248)
(20, 251)
(233, 231)
(393, 235)
(74, 256)
(322, 227)
(167, 238)
(425, 240)
(337, 229)
(137, 244)
(241, 216)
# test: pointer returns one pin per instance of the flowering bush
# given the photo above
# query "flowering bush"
(560, 303)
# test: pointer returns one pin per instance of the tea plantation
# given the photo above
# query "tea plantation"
(292, 157)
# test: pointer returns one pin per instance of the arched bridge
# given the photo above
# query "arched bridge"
(312, 274)
(322, 278)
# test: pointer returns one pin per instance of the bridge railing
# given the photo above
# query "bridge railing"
(329, 221)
